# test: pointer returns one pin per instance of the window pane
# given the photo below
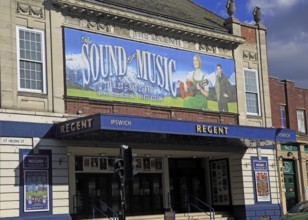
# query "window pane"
(32, 37)
(252, 104)
(21, 34)
(301, 121)
(27, 35)
(38, 37)
(250, 81)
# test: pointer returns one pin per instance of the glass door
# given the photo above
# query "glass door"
(186, 179)
(144, 194)
(92, 189)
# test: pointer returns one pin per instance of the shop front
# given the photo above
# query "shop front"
(176, 163)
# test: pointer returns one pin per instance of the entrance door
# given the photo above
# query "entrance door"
(186, 179)
(92, 189)
(144, 194)
(290, 183)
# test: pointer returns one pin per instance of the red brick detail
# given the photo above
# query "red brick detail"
(89, 107)
(294, 98)
(250, 34)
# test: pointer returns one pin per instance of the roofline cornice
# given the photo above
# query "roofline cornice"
(155, 23)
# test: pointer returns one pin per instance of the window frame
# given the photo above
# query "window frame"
(304, 120)
(43, 60)
(306, 170)
(258, 92)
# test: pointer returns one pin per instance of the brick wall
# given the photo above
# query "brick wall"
(286, 93)
(250, 34)
(89, 107)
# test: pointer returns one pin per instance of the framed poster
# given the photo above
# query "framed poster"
(158, 164)
(36, 190)
(86, 163)
(103, 163)
(139, 165)
(94, 164)
(146, 164)
(110, 164)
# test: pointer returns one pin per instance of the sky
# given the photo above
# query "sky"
(287, 33)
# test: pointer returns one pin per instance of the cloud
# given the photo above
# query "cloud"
(287, 37)
(271, 7)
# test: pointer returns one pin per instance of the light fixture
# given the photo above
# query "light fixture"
(102, 154)
(147, 155)
(290, 154)
(194, 156)
(168, 155)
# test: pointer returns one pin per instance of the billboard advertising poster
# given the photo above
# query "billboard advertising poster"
(36, 190)
(114, 69)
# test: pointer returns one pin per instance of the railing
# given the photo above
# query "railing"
(104, 205)
(94, 207)
(196, 202)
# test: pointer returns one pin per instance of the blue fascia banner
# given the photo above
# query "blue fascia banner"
(166, 126)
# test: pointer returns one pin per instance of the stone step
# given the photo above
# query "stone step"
(179, 216)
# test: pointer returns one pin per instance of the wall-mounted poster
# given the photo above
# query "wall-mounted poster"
(262, 186)
(36, 190)
(108, 68)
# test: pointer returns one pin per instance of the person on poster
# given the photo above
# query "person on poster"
(223, 90)
(195, 90)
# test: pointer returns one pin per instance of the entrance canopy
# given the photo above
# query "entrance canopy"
(93, 126)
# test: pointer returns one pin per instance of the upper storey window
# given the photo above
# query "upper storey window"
(283, 116)
(31, 60)
(301, 121)
(252, 92)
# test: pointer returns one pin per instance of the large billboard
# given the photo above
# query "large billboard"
(114, 69)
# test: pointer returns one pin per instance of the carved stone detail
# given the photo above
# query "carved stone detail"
(257, 15)
(230, 8)
(93, 25)
(89, 9)
(214, 49)
(29, 10)
(248, 55)
(208, 48)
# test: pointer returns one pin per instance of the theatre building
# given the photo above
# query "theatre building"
(291, 112)
(185, 89)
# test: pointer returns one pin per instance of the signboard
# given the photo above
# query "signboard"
(114, 69)
(36, 162)
(169, 215)
(36, 190)
(97, 122)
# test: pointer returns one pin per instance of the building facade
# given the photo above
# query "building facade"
(187, 90)
(291, 112)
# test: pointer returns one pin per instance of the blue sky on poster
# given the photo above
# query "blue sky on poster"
(287, 33)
